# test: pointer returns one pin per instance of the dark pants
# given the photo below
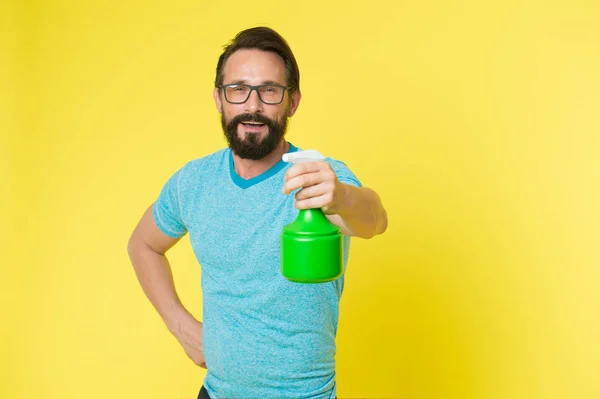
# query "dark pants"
(203, 394)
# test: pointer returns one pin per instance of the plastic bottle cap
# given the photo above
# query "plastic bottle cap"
(303, 156)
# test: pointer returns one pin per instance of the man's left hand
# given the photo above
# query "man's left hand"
(319, 185)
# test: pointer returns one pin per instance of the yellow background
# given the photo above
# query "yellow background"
(477, 122)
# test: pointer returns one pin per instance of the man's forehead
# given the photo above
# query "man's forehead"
(252, 65)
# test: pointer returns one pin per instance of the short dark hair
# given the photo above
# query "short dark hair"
(265, 39)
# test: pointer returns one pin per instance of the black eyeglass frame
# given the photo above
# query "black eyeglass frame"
(252, 88)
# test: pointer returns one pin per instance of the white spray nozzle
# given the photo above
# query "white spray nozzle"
(303, 156)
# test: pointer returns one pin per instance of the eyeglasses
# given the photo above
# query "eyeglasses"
(239, 93)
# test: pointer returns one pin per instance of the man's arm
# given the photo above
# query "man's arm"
(358, 211)
(147, 247)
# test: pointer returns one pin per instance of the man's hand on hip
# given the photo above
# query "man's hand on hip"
(188, 332)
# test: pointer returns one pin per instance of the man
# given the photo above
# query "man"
(262, 336)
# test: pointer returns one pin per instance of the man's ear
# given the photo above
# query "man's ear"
(217, 97)
(294, 102)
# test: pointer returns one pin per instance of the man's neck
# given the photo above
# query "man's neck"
(249, 168)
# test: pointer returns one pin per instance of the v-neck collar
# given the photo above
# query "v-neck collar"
(245, 183)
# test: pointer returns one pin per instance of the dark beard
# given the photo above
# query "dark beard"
(250, 147)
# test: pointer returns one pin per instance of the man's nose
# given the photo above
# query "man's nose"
(253, 104)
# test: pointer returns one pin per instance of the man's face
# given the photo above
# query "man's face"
(254, 129)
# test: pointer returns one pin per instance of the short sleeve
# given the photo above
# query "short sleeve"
(167, 208)
(343, 173)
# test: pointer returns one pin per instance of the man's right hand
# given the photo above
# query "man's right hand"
(188, 332)
(147, 246)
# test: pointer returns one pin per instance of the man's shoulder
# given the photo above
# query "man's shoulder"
(337, 164)
(334, 162)
(343, 171)
(206, 162)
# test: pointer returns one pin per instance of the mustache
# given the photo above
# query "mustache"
(260, 118)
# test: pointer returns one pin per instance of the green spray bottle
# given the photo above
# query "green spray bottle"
(311, 246)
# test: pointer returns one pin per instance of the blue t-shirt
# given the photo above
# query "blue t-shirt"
(264, 336)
